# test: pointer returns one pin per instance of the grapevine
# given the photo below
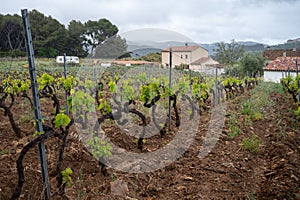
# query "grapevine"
(110, 98)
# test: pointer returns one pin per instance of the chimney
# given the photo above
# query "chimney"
(284, 54)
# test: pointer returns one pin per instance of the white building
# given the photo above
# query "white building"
(279, 68)
(69, 59)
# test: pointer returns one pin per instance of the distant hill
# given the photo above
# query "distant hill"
(209, 47)
(293, 40)
(142, 47)
(255, 47)
(133, 45)
(143, 52)
(248, 46)
(290, 44)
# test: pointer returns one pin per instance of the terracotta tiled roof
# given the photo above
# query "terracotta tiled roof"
(273, 54)
(181, 48)
(282, 64)
(201, 61)
(205, 60)
(221, 66)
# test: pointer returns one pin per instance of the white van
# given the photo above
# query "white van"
(69, 59)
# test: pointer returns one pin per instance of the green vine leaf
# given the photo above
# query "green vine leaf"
(61, 120)
(36, 133)
(66, 176)
(112, 86)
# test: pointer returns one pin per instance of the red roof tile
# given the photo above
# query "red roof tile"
(201, 61)
(205, 60)
(273, 54)
(282, 64)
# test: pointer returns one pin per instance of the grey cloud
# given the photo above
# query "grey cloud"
(201, 20)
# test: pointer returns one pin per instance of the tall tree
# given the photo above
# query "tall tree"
(11, 33)
(252, 63)
(75, 43)
(112, 47)
(229, 53)
(98, 31)
(152, 57)
(49, 36)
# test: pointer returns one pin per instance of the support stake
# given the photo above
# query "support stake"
(170, 85)
(216, 93)
(36, 101)
(297, 72)
(65, 75)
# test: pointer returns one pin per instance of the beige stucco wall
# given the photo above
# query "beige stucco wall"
(176, 58)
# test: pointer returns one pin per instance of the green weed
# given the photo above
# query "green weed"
(251, 143)
(233, 126)
(246, 108)
(80, 193)
(4, 151)
(25, 119)
(248, 121)
(234, 131)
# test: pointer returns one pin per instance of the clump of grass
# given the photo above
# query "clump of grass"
(260, 98)
(4, 151)
(234, 131)
(25, 119)
(248, 121)
(256, 116)
(252, 109)
(246, 108)
(233, 126)
(251, 143)
(297, 113)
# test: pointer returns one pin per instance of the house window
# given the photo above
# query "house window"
(181, 56)
(186, 56)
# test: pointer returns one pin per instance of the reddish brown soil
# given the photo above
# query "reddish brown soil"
(228, 172)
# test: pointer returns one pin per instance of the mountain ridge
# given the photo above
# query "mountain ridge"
(136, 46)
(143, 47)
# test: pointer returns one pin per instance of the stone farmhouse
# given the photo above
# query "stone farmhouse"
(195, 58)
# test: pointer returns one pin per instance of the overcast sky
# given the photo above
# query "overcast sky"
(203, 21)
